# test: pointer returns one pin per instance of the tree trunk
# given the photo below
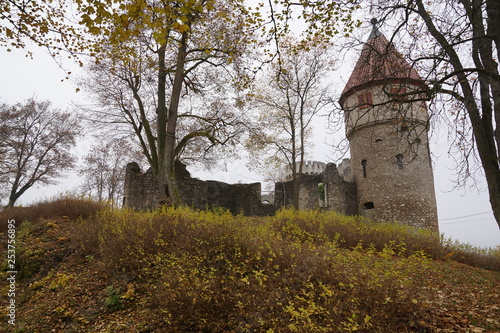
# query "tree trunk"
(16, 193)
(11, 202)
(295, 172)
(167, 182)
(162, 125)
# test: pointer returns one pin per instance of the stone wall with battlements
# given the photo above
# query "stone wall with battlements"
(308, 168)
(327, 190)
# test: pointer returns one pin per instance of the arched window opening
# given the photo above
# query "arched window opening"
(378, 140)
(399, 161)
(363, 165)
(368, 205)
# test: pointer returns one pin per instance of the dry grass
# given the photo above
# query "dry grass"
(64, 206)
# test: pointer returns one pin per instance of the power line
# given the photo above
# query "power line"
(461, 217)
(234, 173)
(470, 221)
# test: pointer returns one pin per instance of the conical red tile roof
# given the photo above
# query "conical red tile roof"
(379, 63)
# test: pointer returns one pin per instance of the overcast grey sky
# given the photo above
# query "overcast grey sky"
(464, 215)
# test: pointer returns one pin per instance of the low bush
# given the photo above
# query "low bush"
(216, 272)
(355, 231)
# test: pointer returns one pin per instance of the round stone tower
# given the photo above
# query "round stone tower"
(386, 125)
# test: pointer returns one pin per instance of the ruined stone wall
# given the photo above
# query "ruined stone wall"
(309, 192)
(283, 194)
(308, 197)
(141, 192)
(344, 169)
(339, 195)
(141, 189)
(238, 198)
(193, 191)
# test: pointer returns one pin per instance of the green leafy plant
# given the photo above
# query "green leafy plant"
(113, 301)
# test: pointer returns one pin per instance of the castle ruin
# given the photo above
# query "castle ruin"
(388, 177)
(142, 193)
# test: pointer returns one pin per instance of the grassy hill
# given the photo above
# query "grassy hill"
(84, 268)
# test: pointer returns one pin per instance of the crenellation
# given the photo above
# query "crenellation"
(308, 168)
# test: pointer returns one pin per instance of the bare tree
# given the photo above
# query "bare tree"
(289, 97)
(104, 169)
(37, 145)
(456, 46)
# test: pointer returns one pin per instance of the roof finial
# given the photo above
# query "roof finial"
(375, 32)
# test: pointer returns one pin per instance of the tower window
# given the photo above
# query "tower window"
(404, 126)
(398, 93)
(368, 205)
(399, 161)
(363, 165)
(365, 100)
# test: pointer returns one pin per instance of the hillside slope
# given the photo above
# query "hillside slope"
(184, 271)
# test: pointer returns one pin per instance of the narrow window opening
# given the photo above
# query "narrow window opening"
(368, 205)
(399, 161)
(323, 195)
(365, 100)
(398, 94)
(404, 126)
(363, 164)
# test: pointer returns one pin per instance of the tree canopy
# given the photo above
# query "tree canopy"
(160, 56)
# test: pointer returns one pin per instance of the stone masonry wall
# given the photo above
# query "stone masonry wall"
(391, 163)
(141, 192)
(340, 195)
(141, 189)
